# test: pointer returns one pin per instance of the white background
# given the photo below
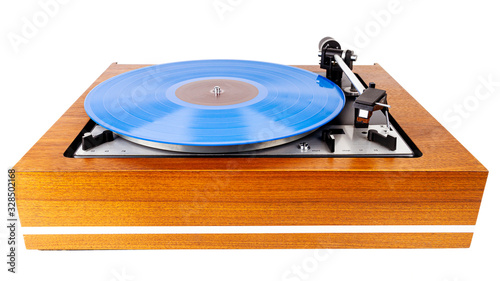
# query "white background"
(440, 51)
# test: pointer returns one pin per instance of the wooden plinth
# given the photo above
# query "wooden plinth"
(443, 187)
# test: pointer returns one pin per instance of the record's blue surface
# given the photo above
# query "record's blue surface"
(143, 104)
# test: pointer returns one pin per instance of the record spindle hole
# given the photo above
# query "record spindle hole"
(217, 92)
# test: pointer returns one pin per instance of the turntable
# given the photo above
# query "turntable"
(246, 154)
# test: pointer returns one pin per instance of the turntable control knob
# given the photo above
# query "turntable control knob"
(304, 146)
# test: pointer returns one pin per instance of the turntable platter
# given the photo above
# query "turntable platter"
(214, 105)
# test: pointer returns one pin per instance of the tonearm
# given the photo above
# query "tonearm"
(338, 62)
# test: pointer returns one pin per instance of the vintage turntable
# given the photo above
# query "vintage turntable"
(245, 154)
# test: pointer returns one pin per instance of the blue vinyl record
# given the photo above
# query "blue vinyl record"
(214, 105)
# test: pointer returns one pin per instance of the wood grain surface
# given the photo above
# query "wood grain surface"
(248, 241)
(239, 198)
(443, 187)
